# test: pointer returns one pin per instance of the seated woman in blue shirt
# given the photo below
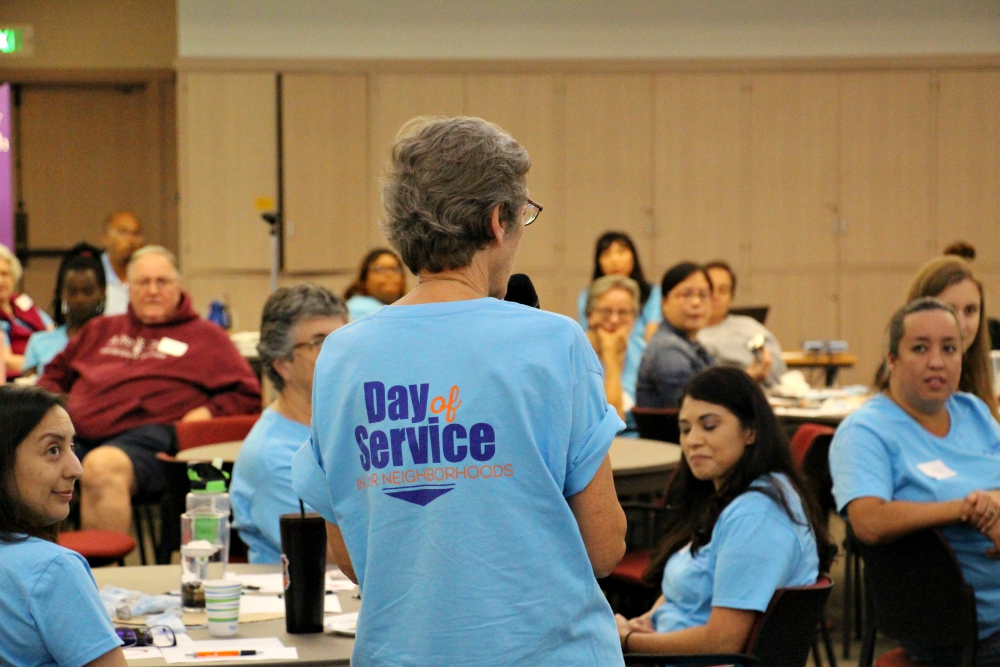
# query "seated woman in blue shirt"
(295, 322)
(674, 355)
(923, 455)
(612, 307)
(381, 281)
(51, 611)
(615, 255)
(80, 286)
(742, 525)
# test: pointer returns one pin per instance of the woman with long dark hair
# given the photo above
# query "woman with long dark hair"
(380, 281)
(741, 523)
(51, 611)
(615, 255)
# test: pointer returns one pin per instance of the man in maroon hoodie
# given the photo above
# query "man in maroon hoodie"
(129, 377)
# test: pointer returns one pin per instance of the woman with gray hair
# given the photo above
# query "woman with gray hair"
(612, 307)
(19, 316)
(459, 443)
(295, 322)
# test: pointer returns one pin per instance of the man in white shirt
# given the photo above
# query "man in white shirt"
(122, 237)
(727, 336)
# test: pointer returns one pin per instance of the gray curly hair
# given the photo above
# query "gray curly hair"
(284, 308)
(444, 178)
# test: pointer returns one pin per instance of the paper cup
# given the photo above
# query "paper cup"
(222, 605)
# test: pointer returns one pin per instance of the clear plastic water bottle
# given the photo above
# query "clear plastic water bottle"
(205, 533)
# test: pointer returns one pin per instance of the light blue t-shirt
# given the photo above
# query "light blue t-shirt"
(359, 306)
(50, 611)
(755, 549)
(43, 346)
(446, 439)
(261, 488)
(652, 312)
(882, 452)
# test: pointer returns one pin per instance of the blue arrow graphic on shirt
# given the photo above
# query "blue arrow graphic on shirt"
(420, 494)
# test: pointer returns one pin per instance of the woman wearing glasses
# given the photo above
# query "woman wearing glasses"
(380, 282)
(295, 322)
(459, 442)
(612, 305)
(51, 611)
(674, 355)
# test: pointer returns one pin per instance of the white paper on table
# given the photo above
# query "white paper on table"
(141, 652)
(266, 583)
(268, 648)
(338, 581)
(272, 604)
(341, 622)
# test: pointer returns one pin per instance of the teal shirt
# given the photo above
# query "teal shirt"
(43, 346)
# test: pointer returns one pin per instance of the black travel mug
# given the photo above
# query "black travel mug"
(303, 557)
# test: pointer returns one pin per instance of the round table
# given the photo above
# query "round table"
(642, 466)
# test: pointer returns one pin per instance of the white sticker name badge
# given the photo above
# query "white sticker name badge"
(174, 348)
(936, 469)
(24, 302)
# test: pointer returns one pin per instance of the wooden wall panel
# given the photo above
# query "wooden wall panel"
(886, 138)
(699, 157)
(70, 186)
(803, 303)
(968, 174)
(793, 170)
(325, 171)
(609, 160)
(525, 106)
(227, 160)
(868, 298)
(396, 99)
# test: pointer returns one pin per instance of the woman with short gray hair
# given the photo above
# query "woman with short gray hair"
(295, 322)
(460, 442)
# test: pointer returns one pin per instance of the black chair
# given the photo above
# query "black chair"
(657, 424)
(917, 594)
(782, 636)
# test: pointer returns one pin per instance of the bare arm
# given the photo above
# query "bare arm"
(336, 547)
(113, 658)
(876, 521)
(727, 631)
(601, 520)
(14, 362)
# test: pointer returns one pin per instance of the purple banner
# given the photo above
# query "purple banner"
(6, 171)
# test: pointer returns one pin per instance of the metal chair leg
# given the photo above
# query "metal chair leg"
(848, 588)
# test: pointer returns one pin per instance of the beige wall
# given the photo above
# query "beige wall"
(94, 34)
(97, 123)
(826, 184)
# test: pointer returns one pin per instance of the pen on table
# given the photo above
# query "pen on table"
(221, 654)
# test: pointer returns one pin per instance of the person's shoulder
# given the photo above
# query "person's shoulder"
(970, 404)
(763, 502)
(32, 556)
(275, 429)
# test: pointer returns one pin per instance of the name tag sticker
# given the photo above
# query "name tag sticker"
(174, 348)
(936, 469)
(24, 302)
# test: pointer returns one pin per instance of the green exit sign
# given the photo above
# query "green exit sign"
(16, 40)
